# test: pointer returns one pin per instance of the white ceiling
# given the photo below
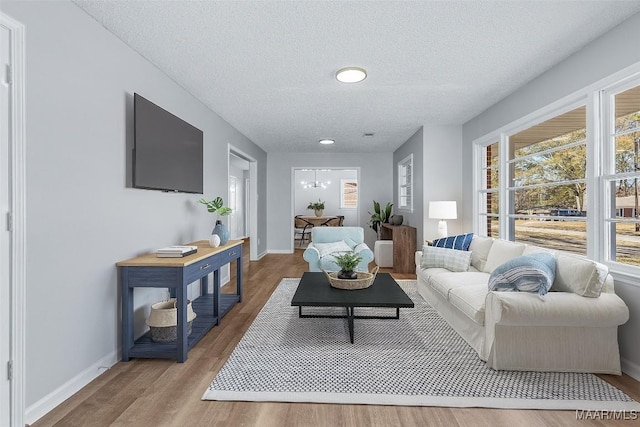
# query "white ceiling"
(268, 67)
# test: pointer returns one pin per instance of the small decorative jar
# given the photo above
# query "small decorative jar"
(222, 231)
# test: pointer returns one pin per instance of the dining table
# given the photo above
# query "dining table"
(317, 220)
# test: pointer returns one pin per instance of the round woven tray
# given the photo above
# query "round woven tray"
(363, 281)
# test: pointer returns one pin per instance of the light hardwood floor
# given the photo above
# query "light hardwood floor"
(164, 393)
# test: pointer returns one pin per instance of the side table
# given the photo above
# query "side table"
(404, 246)
(176, 274)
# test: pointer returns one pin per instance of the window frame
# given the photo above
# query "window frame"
(402, 167)
(609, 174)
(479, 170)
(598, 229)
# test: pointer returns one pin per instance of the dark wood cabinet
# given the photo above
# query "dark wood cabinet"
(404, 246)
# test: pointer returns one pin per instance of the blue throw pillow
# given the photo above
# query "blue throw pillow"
(460, 242)
(527, 273)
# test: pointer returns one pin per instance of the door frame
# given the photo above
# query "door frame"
(17, 160)
(252, 209)
(294, 182)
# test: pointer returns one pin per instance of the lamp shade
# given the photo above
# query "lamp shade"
(443, 210)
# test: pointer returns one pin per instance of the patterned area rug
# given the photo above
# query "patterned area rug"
(417, 360)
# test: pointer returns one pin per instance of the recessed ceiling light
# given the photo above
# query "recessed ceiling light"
(327, 141)
(351, 75)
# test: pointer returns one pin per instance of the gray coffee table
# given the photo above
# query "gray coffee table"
(314, 290)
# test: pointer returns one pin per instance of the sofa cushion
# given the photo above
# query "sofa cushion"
(470, 300)
(479, 248)
(328, 262)
(460, 242)
(579, 275)
(443, 281)
(325, 249)
(502, 251)
(532, 249)
(527, 273)
(557, 309)
(451, 259)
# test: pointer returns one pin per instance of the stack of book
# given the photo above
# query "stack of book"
(176, 251)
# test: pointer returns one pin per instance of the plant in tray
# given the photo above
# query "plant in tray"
(347, 261)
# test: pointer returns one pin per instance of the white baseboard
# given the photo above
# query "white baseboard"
(36, 411)
(630, 368)
(279, 251)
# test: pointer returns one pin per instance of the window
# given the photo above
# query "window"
(547, 185)
(348, 194)
(489, 208)
(567, 177)
(405, 184)
(621, 130)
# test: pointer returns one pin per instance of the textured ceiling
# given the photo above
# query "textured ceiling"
(267, 67)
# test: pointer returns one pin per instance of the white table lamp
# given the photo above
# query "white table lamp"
(443, 210)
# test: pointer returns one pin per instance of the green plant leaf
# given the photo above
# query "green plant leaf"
(348, 260)
(216, 206)
(380, 215)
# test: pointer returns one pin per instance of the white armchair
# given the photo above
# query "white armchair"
(326, 241)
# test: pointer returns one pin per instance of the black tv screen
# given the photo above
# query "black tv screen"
(167, 153)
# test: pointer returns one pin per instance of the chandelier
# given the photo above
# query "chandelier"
(315, 183)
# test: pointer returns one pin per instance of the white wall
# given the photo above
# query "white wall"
(330, 195)
(437, 153)
(375, 183)
(81, 216)
(413, 146)
(443, 179)
(603, 57)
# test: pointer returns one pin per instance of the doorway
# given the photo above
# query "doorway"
(336, 187)
(243, 197)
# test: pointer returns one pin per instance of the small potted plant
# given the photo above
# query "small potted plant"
(217, 206)
(317, 207)
(347, 262)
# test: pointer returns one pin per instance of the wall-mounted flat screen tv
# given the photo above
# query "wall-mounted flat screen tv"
(167, 153)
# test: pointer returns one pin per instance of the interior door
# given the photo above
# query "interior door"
(5, 234)
(233, 204)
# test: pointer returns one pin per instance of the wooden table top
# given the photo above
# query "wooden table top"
(323, 217)
(204, 250)
(317, 220)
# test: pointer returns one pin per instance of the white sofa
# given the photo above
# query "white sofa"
(573, 328)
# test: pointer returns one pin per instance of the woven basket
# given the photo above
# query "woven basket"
(363, 281)
(163, 320)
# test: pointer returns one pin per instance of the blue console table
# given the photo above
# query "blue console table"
(176, 274)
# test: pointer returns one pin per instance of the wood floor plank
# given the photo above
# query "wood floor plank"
(152, 393)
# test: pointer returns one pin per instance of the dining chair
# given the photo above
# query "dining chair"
(302, 228)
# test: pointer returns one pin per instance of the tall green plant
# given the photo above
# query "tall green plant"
(379, 215)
